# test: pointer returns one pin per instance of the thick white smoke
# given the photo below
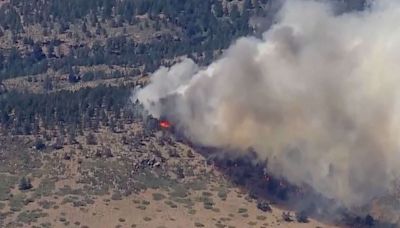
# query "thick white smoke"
(318, 96)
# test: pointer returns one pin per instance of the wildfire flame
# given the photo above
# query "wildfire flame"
(165, 124)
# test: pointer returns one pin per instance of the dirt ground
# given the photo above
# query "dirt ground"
(143, 211)
(89, 190)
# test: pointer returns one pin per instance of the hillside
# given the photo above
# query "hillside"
(76, 151)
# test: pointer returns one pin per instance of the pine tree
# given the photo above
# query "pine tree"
(24, 184)
(37, 53)
(218, 9)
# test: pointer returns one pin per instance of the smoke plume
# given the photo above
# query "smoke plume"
(318, 96)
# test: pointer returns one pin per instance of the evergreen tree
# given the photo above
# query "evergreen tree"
(37, 53)
(24, 184)
(218, 9)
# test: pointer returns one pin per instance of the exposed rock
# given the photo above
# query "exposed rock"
(147, 160)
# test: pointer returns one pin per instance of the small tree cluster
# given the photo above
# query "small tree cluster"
(264, 206)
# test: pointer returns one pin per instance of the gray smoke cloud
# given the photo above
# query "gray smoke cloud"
(317, 95)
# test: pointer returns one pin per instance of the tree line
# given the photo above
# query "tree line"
(206, 26)
(67, 111)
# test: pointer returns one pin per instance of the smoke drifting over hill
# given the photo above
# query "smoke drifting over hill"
(318, 96)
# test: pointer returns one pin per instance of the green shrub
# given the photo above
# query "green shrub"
(6, 183)
(45, 188)
(116, 196)
(222, 195)
(197, 224)
(158, 196)
(242, 210)
(17, 202)
(261, 217)
(29, 217)
(147, 219)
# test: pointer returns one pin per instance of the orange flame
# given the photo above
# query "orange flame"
(165, 124)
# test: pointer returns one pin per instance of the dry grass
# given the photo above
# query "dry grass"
(64, 192)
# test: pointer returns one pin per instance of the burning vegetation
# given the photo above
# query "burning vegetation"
(246, 171)
(165, 124)
(316, 97)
